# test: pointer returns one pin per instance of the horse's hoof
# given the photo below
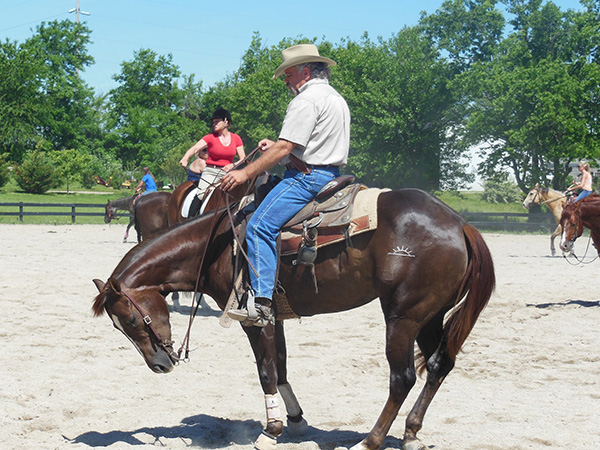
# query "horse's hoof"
(265, 442)
(360, 446)
(297, 428)
(413, 444)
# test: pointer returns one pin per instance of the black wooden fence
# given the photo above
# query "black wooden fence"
(492, 221)
(57, 209)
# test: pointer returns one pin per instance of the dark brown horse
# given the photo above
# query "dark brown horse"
(151, 214)
(123, 204)
(147, 213)
(422, 262)
(576, 216)
(157, 211)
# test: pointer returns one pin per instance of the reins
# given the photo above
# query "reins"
(582, 260)
(194, 309)
(552, 200)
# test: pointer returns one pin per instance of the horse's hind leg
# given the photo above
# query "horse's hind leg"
(296, 424)
(438, 364)
(400, 339)
(129, 225)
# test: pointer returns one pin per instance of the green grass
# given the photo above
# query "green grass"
(472, 202)
(461, 202)
(11, 193)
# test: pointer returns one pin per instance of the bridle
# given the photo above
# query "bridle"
(579, 226)
(110, 214)
(537, 197)
(166, 344)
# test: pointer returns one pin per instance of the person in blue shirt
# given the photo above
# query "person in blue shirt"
(148, 181)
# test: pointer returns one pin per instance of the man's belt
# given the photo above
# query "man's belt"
(299, 165)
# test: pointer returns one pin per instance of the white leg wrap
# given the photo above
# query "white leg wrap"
(359, 446)
(265, 442)
(272, 405)
(291, 402)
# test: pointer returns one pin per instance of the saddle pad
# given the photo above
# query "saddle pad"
(187, 202)
(364, 218)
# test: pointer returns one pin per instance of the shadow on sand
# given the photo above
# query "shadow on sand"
(582, 303)
(214, 432)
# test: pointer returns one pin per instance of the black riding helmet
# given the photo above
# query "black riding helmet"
(222, 114)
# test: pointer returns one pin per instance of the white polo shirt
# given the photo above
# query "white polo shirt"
(317, 120)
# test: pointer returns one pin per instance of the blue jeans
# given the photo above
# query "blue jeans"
(582, 195)
(288, 197)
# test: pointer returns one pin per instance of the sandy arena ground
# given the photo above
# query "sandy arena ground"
(529, 376)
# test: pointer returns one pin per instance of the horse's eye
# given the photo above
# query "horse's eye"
(132, 321)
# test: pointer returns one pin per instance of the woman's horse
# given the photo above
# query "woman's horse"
(147, 213)
(422, 262)
(554, 200)
(584, 213)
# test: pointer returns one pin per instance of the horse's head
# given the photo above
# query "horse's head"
(533, 197)
(142, 316)
(572, 226)
(110, 213)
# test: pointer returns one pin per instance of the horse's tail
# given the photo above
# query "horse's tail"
(478, 285)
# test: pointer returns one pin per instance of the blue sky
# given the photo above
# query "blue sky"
(208, 39)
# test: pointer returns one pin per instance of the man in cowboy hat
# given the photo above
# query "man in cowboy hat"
(313, 143)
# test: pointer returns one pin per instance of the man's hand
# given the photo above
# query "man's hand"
(232, 179)
(265, 144)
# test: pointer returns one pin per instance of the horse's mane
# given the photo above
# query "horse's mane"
(98, 305)
(546, 190)
(122, 203)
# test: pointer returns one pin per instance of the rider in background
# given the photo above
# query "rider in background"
(586, 181)
(148, 181)
(221, 146)
(314, 142)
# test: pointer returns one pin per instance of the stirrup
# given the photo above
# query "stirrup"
(253, 314)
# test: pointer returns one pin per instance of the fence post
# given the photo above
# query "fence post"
(20, 211)
(73, 213)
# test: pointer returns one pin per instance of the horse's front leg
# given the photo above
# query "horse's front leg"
(263, 343)
(557, 231)
(296, 424)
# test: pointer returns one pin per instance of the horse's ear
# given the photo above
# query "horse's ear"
(537, 185)
(99, 284)
(114, 285)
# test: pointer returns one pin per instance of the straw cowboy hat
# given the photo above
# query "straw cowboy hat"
(301, 54)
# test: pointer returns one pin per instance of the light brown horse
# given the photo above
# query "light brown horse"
(555, 200)
(576, 216)
(422, 262)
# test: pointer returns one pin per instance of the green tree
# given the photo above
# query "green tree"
(36, 174)
(500, 189)
(69, 120)
(21, 103)
(4, 169)
(148, 112)
(70, 164)
(400, 104)
(536, 102)
(256, 101)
